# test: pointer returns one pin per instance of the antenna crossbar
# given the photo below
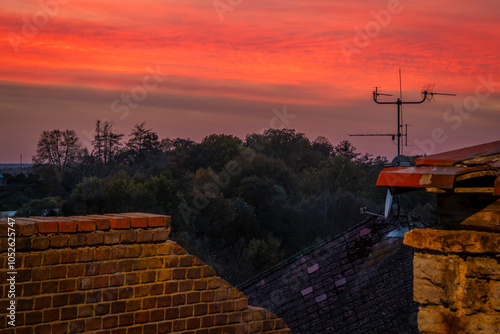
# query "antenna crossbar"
(372, 134)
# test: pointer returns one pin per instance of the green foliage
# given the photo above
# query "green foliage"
(218, 150)
(118, 189)
(88, 197)
(263, 253)
(121, 193)
(323, 146)
(49, 206)
(346, 175)
(285, 144)
(11, 200)
(164, 190)
(269, 199)
(20, 189)
(250, 163)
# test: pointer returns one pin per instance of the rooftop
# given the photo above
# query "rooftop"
(357, 282)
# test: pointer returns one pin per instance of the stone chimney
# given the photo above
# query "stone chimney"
(456, 267)
(456, 280)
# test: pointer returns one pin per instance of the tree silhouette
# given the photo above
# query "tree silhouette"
(106, 143)
(347, 150)
(143, 141)
(58, 149)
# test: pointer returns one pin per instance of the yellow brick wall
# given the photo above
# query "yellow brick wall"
(117, 274)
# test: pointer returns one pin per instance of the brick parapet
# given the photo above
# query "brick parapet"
(118, 274)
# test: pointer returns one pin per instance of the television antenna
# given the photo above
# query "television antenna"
(429, 89)
(428, 94)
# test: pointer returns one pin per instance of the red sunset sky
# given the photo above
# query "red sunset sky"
(223, 66)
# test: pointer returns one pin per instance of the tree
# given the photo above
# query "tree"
(143, 140)
(269, 199)
(49, 206)
(263, 254)
(119, 189)
(179, 154)
(323, 146)
(106, 143)
(89, 196)
(166, 145)
(182, 143)
(218, 150)
(58, 148)
(346, 149)
(347, 175)
(165, 190)
(285, 144)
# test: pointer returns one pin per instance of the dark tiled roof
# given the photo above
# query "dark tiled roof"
(357, 282)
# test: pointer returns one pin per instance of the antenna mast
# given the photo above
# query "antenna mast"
(400, 120)
(427, 94)
(399, 102)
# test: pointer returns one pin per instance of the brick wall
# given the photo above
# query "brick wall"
(457, 281)
(117, 274)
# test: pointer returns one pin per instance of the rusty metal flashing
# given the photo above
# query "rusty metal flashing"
(488, 152)
(440, 172)
(419, 177)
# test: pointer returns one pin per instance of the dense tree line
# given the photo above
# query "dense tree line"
(241, 205)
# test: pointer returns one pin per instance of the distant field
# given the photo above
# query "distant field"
(14, 166)
(15, 169)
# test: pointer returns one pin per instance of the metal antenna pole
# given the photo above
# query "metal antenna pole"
(406, 136)
(427, 94)
(400, 120)
(401, 98)
(399, 102)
